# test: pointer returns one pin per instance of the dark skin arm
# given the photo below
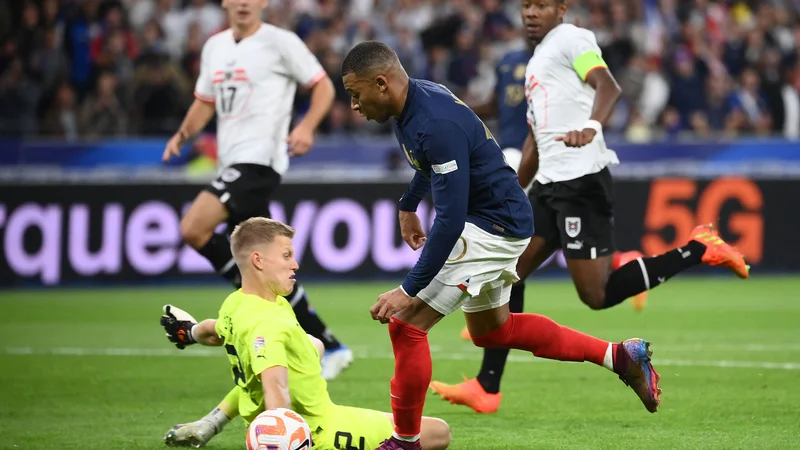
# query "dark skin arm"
(529, 164)
(486, 110)
(607, 94)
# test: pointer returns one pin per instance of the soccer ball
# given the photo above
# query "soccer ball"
(279, 429)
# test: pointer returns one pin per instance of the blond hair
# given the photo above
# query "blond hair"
(256, 231)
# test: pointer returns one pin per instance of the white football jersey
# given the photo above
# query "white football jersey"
(559, 101)
(252, 84)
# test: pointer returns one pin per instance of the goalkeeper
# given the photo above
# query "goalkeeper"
(274, 363)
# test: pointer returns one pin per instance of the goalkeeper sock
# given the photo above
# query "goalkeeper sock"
(230, 404)
(217, 418)
(643, 274)
(218, 251)
(309, 320)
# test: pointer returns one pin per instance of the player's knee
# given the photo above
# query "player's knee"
(593, 298)
(193, 234)
(438, 435)
(497, 338)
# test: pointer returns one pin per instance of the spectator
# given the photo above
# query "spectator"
(102, 113)
(61, 118)
(700, 66)
(160, 97)
(748, 108)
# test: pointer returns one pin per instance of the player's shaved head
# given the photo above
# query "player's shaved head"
(376, 81)
(254, 232)
(368, 58)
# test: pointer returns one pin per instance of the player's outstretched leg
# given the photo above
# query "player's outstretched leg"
(337, 357)
(620, 259)
(482, 393)
(538, 334)
(197, 229)
(408, 331)
(198, 433)
(704, 247)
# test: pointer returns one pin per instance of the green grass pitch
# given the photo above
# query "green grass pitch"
(91, 369)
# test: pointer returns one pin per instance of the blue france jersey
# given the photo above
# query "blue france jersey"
(456, 157)
(511, 105)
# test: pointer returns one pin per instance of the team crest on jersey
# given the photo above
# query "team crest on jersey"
(230, 175)
(259, 343)
(410, 156)
(573, 226)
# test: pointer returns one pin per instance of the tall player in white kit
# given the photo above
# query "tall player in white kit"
(248, 77)
(570, 93)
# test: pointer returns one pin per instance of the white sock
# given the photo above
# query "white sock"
(608, 360)
(217, 418)
(406, 439)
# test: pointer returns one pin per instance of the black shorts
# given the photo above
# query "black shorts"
(245, 190)
(576, 215)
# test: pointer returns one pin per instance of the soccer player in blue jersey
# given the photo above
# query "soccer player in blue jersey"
(506, 104)
(569, 92)
(483, 224)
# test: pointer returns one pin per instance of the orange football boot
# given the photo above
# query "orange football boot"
(469, 393)
(622, 258)
(465, 334)
(719, 252)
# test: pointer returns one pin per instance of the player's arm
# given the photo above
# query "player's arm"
(322, 96)
(417, 190)
(446, 147)
(275, 382)
(269, 362)
(205, 333)
(588, 63)
(199, 114)
(607, 93)
(529, 164)
(306, 70)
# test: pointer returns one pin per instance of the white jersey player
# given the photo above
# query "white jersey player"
(248, 78)
(570, 93)
(560, 100)
(252, 82)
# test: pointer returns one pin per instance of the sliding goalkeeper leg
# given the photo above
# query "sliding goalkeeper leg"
(197, 434)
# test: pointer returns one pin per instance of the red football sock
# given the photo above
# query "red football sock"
(546, 339)
(412, 375)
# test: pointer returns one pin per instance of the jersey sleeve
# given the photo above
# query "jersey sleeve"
(204, 87)
(446, 147)
(269, 348)
(417, 190)
(301, 64)
(583, 53)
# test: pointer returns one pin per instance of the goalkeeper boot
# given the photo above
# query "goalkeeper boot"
(195, 434)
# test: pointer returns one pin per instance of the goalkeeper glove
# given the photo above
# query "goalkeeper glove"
(178, 325)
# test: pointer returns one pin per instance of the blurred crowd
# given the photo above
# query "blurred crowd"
(81, 69)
